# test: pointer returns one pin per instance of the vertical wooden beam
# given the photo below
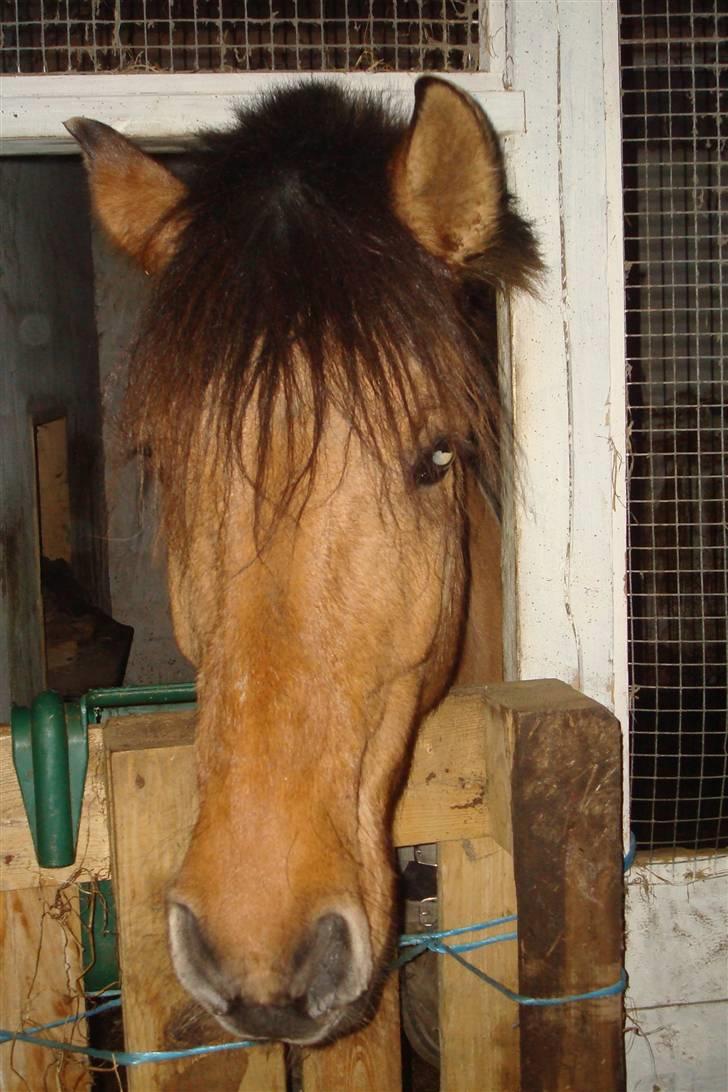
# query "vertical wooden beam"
(556, 794)
(368, 1061)
(152, 791)
(478, 1026)
(54, 505)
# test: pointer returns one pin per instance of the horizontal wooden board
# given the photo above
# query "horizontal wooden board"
(444, 799)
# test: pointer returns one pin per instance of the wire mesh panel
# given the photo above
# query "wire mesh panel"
(674, 96)
(238, 35)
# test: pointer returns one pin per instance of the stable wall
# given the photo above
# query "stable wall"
(137, 569)
(49, 370)
(565, 559)
(677, 961)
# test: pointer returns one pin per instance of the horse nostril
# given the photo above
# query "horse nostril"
(297, 999)
(324, 975)
(194, 960)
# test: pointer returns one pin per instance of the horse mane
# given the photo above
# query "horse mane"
(291, 249)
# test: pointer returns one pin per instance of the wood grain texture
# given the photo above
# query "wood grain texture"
(566, 807)
(368, 1061)
(478, 1026)
(152, 805)
(444, 797)
(40, 962)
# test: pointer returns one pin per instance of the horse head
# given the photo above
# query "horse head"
(309, 378)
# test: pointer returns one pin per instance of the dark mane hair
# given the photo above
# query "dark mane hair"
(290, 246)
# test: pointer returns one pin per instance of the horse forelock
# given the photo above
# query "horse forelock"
(296, 290)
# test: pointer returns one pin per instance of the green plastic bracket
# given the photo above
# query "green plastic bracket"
(50, 754)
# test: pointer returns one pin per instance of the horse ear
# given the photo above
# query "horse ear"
(447, 174)
(134, 197)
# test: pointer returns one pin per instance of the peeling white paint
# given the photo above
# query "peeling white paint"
(677, 962)
(567, 354)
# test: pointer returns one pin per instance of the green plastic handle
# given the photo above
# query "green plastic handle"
(50, 754)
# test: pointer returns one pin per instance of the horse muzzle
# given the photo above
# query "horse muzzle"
(321, 991)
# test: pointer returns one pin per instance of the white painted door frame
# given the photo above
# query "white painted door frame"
(567, 353)
(163, 110)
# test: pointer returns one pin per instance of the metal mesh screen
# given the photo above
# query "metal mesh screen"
(674, 100)
(238, 35)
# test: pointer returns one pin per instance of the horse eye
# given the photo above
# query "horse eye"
(433, 464)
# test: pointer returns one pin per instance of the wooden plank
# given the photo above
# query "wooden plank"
(444, 794)
(478, 1025)
(368, 1061)
(443, 799)
(565, 810)
(40, 957)
(152, 807)
(51, 449)
(18, 866)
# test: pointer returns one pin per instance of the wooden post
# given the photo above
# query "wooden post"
(152, 796)
(555, 759)
(366, 1061)
(478, 1026)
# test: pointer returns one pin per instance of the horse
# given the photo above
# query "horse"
(314, 384)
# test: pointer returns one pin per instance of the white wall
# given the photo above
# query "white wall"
(677, 961)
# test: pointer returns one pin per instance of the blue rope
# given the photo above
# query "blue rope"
(417, 942)
(542, 1002)
(119, 1057)
(422, 942)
